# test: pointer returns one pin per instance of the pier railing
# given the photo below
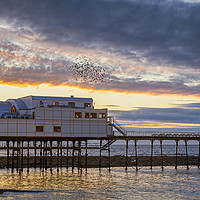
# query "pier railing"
(120, 128)
(159, 134)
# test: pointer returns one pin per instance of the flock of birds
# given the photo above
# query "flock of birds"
(88, 71)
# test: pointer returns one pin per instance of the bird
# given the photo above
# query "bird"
(86, 70)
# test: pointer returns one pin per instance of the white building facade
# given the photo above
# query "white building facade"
(53, 117)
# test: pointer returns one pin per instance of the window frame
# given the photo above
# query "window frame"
(87, 105)
(78, 115)
(103, 115)
(88, 115)
(39, 131)
(55, 103)
(73, 104)
(93, 115)
(57, 127)
(41, 103)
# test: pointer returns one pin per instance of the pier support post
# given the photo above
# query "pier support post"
(73, 156)
(86, 154)
(152, 141)
(176, 159)
(40, 154)
(58, 146)
(43, 158)
(126, 154)
(186, 151)
(161, 152)
(45, 150)
(79, 154)
(61, 153)
(28, 157)
(22, 156)
(67, 161)
(100, 154)
(109, 155)
(51, 154)
(8, 152)
(18, 149)
(199, 156)
(136, 157)
(13, 155)
(35, 152)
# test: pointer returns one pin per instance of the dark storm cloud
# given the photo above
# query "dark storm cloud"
(149, 87)
(167, 115)
(165, 32)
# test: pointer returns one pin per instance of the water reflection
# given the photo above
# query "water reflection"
(95, 184)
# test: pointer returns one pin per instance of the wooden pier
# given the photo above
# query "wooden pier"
(47, 152)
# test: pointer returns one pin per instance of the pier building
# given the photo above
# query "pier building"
(53, 116)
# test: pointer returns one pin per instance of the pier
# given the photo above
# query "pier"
(23, 153)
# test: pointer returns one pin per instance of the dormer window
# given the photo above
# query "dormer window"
(55, 103)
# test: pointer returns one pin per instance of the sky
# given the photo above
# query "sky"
(149, 51)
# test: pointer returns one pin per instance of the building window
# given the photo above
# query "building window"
(78, 115)
(41, 103)
(87, 105)
(87, 115)
(55, 103)
(71, 104)
(57, 129)
(93, 115)
(39, 128)
(102, 115)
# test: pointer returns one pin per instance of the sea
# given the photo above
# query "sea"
(116, 183)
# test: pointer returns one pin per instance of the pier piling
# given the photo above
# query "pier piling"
(176, 159)
(152, 141)
(126, 154)
(186, 151)
(161, 154)
(199, 156)
(73, 152)
(8, 154)
(28, 156)
(136, 157)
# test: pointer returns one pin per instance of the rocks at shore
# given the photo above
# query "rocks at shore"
(95, 161)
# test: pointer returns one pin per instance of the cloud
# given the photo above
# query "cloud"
(162, 31)
(27, 65)
(189, 115)
(192, 105)
(112, 106)
(146, 46)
